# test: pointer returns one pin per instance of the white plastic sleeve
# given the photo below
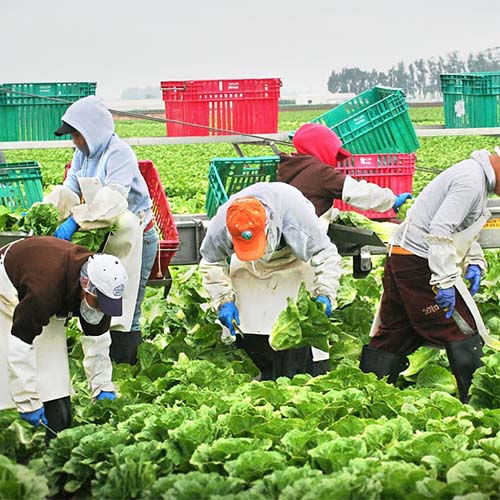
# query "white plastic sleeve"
(217, 282)
(22, 375)
(367, 196)
(97, 363)
(327, 266)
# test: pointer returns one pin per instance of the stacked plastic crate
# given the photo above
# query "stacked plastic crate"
(374, 126)
(221, 107)
(32, 111)
(471, 100)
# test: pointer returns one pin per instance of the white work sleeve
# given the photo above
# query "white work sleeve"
(97, 363)
(442, 258)
(475, 256)
(217, 282)
(327, 266)
(366, 195)
(442, 255)
(63, 199)
(23, 387)
(104, 210)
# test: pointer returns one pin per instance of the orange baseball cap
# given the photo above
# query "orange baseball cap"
(246, 222)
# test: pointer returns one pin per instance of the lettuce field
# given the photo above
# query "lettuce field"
(193, 423)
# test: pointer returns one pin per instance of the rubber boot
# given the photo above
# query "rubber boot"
(465, 358)
(58, 413)
(382, 363)
(123, 347)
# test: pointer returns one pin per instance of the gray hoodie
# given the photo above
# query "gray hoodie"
(453, 201)
(109, 158)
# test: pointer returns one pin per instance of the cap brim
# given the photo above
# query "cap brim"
(64, 129)
(342, 154)
(110, 307)
(254, 250)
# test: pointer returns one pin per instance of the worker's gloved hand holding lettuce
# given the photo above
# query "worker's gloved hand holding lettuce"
(228, 313)
(34, 417)
(67, 229)
(400, 199)
(106, 395)
(303, 323)
(325, 301)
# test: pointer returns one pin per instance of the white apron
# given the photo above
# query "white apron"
(126, 244)
(261, 291)
(50, 347)
(462, 242)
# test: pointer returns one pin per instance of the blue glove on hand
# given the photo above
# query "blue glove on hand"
(67, 229)
(106, 395)
(323, 299)
(445, 299)
(400, 199)
(227, 313)
(473, 276)
(34, 417)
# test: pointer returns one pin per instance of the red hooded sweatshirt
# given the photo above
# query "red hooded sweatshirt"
(310, 169)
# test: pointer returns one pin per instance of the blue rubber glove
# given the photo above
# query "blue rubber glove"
(106, 395)
(400, 199)
(34, 417)
(323, 299)
(445, 299)
(473, 276)
(227, 313)
(67, 229)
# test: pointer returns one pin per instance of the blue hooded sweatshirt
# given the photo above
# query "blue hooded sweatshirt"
(108, 158)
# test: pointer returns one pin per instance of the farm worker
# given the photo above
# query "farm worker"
(423, 285)
(105, 176)
(44, 281)
(275, 241)
(310, 171)
(318, 149)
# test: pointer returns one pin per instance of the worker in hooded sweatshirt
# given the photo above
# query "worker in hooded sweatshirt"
(425, 299)
(260, 246)
(310, 171)
(104, 186)
(43, 282)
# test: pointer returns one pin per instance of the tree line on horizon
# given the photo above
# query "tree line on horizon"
(419, 79)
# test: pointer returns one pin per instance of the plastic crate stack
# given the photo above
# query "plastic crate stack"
(375, 121)
(471, 100)
(34, 118)
(227, 176)
(247, 106)
(20, 184)
(375, 126)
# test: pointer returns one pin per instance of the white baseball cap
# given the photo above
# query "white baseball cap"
(109, 277)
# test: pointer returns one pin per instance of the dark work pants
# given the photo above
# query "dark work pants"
(273, 364)
(409, 314)
(58, 413)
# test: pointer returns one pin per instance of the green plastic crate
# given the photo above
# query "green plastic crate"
(471, 100)
(20, 184)
(24, 118)
(375, 121)
(227, 176)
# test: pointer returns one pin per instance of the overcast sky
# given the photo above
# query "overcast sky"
(127, 43)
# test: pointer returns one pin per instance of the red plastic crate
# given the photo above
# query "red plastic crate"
(393, 171)
(248, 106)
(169, 236)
